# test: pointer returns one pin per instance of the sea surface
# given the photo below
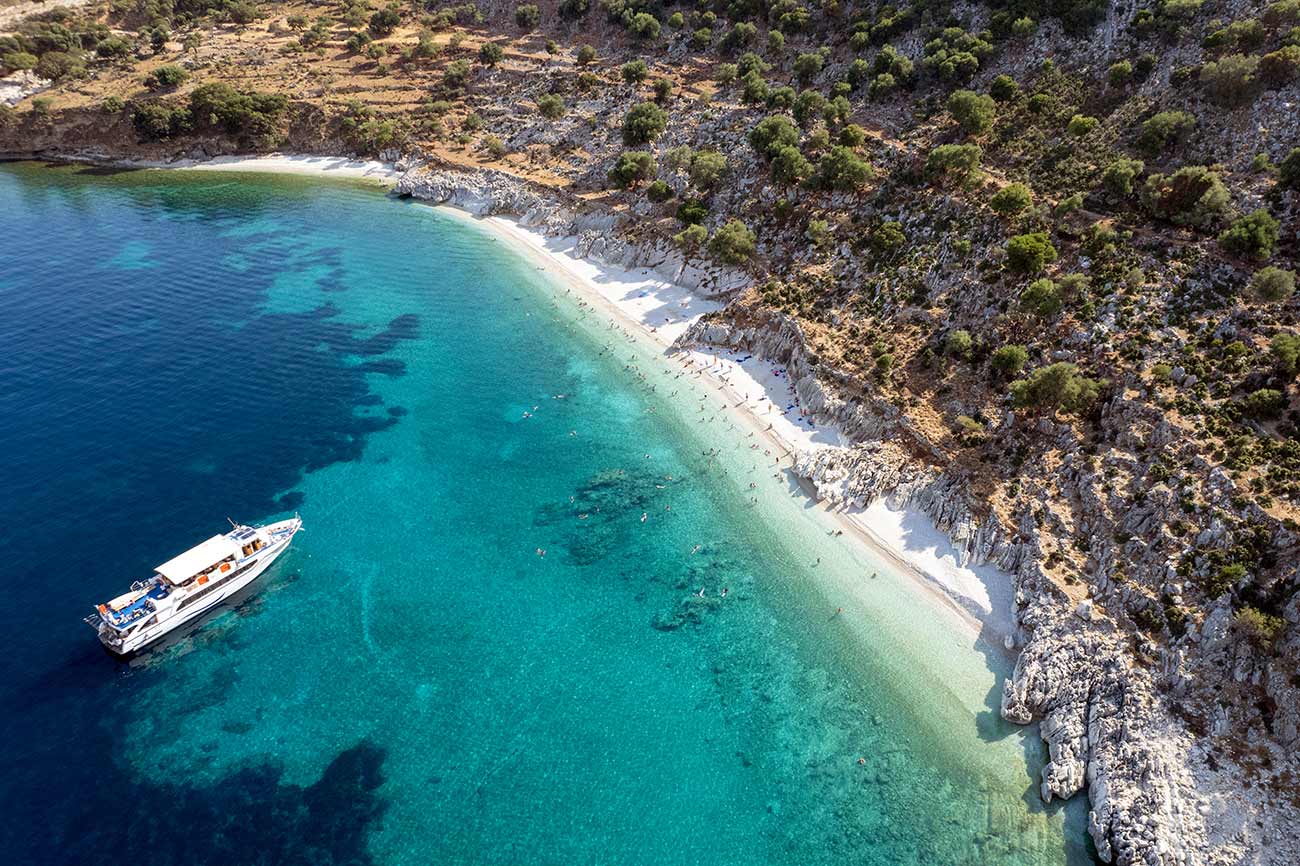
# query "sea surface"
(414, 682)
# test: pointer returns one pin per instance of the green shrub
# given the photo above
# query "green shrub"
(958, 344)
(663, 88)
(1285, 349)
(1120, 73)
(455, 75)
(60, 66)
(1004, 88)
(750, 63)
(112, 104)
(974, 112)
(1254, 235)
(586, 54)
(165, 77)
(807, 66)
(1119, 176)
(1009, 359)
(953, 163)
(1165, 130)
(1080, 125)
(643, 123)
(754, 89)
(1191, 196)
(1281, 67)
(1261, 629)
(818, 233)
(14, 61)
(1012, 199)
(842, 170)
(572, 10)
(156, 121)
(1030, 253)
(1264, 403)
(634, 71)
(1056, 387)
(246, 112)
(385, 21)
(1288, 170)
(1224, 579)
(955, 55)
(882, 86)
(644, 26)
(738, 37)
(887, 238)
(706, 169)
(242, 12)
(1042, 103)
(490, 54)
(733, 243)
(528, 16)
(692, 237)
(1042, 297)
(692, 211)
(358, 41)
(1272, 284)
(631, 168)
(853, 136)
(1230, 80)
(113, 47)
(808, 106)
(493, 146)
(790, 167)
(658, 192)
(551, 106)
(771, 134)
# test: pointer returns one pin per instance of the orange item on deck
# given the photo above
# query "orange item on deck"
(203, 578)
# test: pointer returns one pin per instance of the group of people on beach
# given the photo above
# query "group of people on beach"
(705, 367)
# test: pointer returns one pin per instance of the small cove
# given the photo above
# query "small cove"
(414, 683)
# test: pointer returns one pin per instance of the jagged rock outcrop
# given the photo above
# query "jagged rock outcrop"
(1097, 713)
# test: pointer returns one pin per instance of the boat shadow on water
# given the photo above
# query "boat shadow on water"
(249, 601)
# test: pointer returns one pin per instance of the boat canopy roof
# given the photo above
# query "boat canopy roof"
(201, 556)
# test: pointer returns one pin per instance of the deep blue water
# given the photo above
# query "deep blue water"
(412, 683)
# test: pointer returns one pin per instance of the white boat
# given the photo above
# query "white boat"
(185, 587)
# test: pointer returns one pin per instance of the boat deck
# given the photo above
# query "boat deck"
(138, 607)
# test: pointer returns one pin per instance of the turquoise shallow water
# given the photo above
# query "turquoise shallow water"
(413, 683)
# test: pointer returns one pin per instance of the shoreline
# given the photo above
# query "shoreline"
(601, 286)
(982, 597)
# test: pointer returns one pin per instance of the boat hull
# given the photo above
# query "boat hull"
(147, 637)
